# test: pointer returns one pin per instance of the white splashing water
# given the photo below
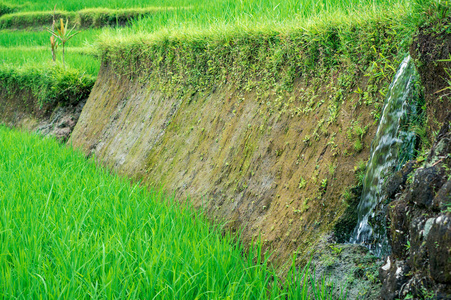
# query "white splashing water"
(384, 155)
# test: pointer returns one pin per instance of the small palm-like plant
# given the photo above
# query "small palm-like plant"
(62, 34)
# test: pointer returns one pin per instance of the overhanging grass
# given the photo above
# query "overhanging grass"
(26, 62)
(72, 230)
(49, 83)
(265, 56)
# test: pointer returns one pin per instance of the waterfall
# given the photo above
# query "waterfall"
(385, 147)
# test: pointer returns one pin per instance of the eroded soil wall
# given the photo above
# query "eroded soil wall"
(276, 167)
(21, 109)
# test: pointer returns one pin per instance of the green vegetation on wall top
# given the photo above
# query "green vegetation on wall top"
(75, 5)
(49, 84)
(86, 18)
(262, 44)
(266, 57)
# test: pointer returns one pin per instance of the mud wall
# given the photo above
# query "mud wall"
(20, 108)
(431, 49)
(278, 173)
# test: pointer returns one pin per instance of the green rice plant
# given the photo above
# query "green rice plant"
(85, 18)
(7, 8)
(213, 15)
(75, 5)
(102, 17)
(71, 229)
(24, 20)
(22, 38)
(84, 59)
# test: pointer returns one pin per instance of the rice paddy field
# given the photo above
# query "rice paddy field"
(74, 5)
(25, 48)
(70, 230)
(202, 17)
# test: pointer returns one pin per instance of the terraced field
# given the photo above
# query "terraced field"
(72, 229)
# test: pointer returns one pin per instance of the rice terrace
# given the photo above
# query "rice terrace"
(227, 149)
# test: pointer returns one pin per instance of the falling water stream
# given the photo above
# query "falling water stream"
(385, 147)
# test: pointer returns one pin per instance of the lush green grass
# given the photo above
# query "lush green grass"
(218, 18)
(219, 10)
(48, 83)
(266, 57)
(75, 5)
(26, 61)
(70, 229)
(85, 18)
(22, 38)
(41, 57)
(213, 15)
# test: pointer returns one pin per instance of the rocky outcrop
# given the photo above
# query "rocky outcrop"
(431, 49)
(420, 228)
(419, 216)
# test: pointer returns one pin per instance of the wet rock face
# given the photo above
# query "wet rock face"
(439, 246)
(392, 274)
(399, 228)
(345, 225)
(443, 197)
(426, 183)
(397, 181)
(420, 227)
(351, 267)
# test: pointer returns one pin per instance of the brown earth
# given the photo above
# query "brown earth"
(19, 108)
(271, 165)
